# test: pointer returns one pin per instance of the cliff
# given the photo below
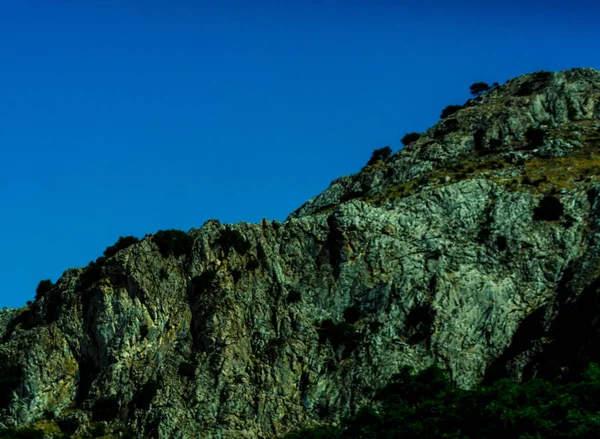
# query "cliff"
(476, 248)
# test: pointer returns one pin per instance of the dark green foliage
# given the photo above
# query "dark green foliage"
(43, 287)
(352, 314)
(419, 323)
(28, 303)
(105, 409)
(501, 243)
(479, 140)
(326, 432)
(231, 238)
(99, 430)
(294, 297)
(121, 244)
(427, 406)
(163, 273)
(10, 380)
(93, 273)
(375, 326)
(478, 88)
(450, 110)
(535, 137)
(549, 209)
(339, 334)
(172, 242)
(410, 138)
(68, 425)
(380, 154)
(21, 433)
(144, 330)
(537, 81)
(495, 143)
(252, 264)
(186, 369)
(143, 398)
(203, 281)
(446, 127)
(236, 274)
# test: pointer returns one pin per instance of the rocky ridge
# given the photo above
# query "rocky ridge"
(476, 247)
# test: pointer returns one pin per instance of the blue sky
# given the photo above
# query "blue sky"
(126, 117)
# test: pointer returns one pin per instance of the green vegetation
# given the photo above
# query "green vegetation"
(427, 406)
(186, 369)
(410, 138)
(143, 398)
(537, 82)
(43, 287)
(294, 297)
(203, 281)
(21, 433)
(93, 272)
(379, 155)
(252, 264)
(339, 334)
(10, 380)
(106, 409)
(231, 238)
(549, 209)
(478, 88)
(172, 242)
(121, 244)
(535, 137)
(352, 314)
(450, 110)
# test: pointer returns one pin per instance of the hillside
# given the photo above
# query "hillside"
(475, 248)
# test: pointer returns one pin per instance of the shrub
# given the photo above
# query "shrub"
(186, 369)
(10, 379)
(203, 281)
(143, 398)
(380, 154)
(93, 272)
(294, 297)
(549, 209)
(43, 287)
(252, 264)
(339, 334)
(410, 138)
(105, 409)
(478, 88)
(445, 127)
(352, 314)
(450, 110)
(172, 242)
(535, 137)
(121, 244)
(231, 238)
(68, 425)
(21, 433)
(535, 83)
(501, 243)
(236, 274)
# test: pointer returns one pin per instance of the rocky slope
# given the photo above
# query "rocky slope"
(476, 247)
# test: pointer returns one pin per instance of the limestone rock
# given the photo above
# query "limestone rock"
(470, 248)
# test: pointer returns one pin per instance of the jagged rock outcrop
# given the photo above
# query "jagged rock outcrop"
(476, 247)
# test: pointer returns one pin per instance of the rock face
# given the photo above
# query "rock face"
(477, 247)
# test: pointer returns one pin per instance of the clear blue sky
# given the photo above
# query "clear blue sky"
(126, 117)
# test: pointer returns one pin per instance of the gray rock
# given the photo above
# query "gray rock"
(439, 254)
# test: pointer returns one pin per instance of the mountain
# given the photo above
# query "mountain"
(476, 248)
